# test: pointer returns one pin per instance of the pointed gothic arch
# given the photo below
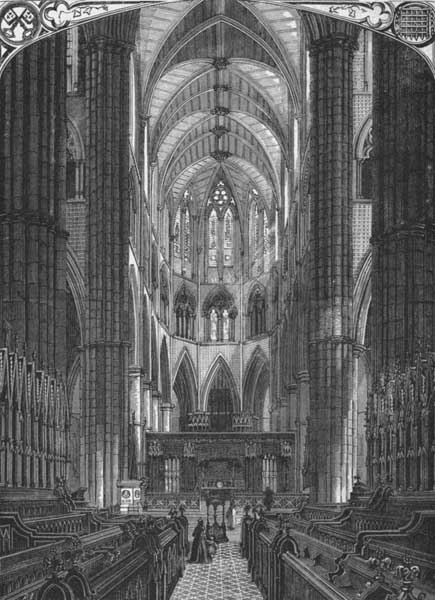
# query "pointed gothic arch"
(146, 338)
(219, 312)
(165, 374)
(154, 356)
(220, 395)
(185, 312)
(256, 388)
(185, 389)
(256, 310)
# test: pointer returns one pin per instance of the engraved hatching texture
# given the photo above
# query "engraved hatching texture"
(226, 577)
(362, 230)
(362, 107)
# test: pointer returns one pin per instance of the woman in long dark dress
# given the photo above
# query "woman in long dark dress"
(199, 552)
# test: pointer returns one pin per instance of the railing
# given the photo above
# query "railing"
(201, 421)
(162, 501)
(245, 422)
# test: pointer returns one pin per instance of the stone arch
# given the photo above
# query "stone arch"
(75, 279)
(55, 590)
(146, 338)
(164, 294)
(132, 318)
(165, 374)
(256, 388)
(79, 584)
(75, 160)
(185, 312)
(220, 391)
(362, 373)
(154, 356)
(185, 389)
(363, 145)
(218, 305)
(362, 296)
(256, 310)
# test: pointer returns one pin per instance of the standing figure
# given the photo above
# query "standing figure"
(231, 515)
(213, 325)
(199, 552)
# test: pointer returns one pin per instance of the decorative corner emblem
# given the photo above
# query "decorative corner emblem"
(377, 15)
(414, 22)
(57, 14)
(19, 23)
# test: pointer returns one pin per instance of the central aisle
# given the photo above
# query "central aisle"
(226, 578)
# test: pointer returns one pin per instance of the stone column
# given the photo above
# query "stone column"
(156, 401)
(33, 199)
(166, 408)
(403, 290)
(108, 44)
(303, 405)
(136, 407)
(332, 44)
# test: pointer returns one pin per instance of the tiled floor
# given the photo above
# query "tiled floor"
(226, 578)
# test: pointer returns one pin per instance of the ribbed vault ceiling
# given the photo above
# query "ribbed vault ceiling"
(235, 58)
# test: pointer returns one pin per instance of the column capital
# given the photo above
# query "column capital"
(358, 350)
(134, 370)
(324, 31)
(303, 377)
(114, 30)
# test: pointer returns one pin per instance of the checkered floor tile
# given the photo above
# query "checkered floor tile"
(226, 578)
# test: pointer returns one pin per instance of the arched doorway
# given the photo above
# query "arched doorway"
(256, 390)
(221, 399)
(185, 391)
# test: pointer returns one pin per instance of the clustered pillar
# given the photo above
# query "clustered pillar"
(108, 45)
(403, 291)
(400, 422)
(332, 44)
(32, 202)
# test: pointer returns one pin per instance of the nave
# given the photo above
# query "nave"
(217, 249)
(226, 578)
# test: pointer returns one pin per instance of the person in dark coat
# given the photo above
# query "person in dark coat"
(199, 552)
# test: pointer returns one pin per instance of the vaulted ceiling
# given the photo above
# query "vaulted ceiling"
(220, 81)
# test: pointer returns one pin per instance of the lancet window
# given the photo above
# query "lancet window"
(221, 212)
(257, 312)
(259, 235)
(219, 313)
(185, 313)
(182, 235)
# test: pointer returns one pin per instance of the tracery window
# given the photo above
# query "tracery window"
(187, 239)
(259, 235)
(257, 312)
(185, 313)
(212, 239)
(182, 232)
(221, 212)
(220, 313)
(164, 296)
(177, 234)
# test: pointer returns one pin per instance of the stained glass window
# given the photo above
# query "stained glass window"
(228, 238)
(212, 239)
(177, 234)
(187, 239)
